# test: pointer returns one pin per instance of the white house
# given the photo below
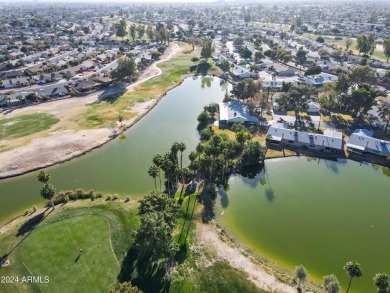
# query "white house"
(361, 141)
(318, 80)
(313, 108)
(240, 72)
(280, 134)
(235, 112)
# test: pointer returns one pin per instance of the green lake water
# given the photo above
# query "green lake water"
(120, 167)
(314, 212)
(318, 213)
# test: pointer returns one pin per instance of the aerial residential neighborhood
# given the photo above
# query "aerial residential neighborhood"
(194, 146)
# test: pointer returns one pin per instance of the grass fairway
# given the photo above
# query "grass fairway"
(103, 232)
(105, 113)
(54, 251)
(25, 124)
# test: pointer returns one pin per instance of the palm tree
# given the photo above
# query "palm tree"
(331, 284)
(43, 177)
(381, 281)
(300, 275)
(157, 161)
(353, 269)
(169, 168)
(120, 119)
(182, 148)
(47, 192)
(153, 172)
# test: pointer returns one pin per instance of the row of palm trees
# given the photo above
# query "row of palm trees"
(353, 270)
(169, 164)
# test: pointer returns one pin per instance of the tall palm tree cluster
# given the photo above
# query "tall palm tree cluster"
(213, 161)
(171, 166)
(353, 270)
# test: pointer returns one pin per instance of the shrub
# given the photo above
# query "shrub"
(80, 193)
(34, 209)
(99, 195)
(238, 127)
(26, 212)
(108, 197)
(203, 117)
(91, 193)
(71, 195)
(206, 133)
(127, 199)
(115, 197)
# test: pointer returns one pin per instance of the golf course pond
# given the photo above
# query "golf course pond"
(296, 211)
(121, 166)
(313, 212)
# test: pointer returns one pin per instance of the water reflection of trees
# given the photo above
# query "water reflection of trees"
(206, 81)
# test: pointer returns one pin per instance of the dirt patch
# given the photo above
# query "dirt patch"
(46, 151)
(262, 279)
(65, 140)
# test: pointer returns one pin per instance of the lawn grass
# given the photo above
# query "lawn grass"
(198, 269)
(105, 113)
(25, 124)
(378, 52)
(101, 229)
(128, 37)
(53, 250)
(218, 277)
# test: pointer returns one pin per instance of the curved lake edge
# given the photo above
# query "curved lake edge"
(120, 131)
(280, 271)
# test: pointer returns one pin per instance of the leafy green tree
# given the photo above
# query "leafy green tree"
(246, 89)
(245, 53)
(140, 31)
(320, 39)
(126, 69)
(203, 117)
(362, 100)
(384, 113)
(150, 32)
(121, 28)
(225, 65)
(125, 287)
(296, 99)
(348, 44)
(47, 192)
(43, 176)
(252, 153)
(154, 240)
(386, 48)
(353, 270)
(242, 136)
(382, 281)
(365, 44)
(301, 57)
(207, 49)
(300, 274)
(132, 31)
(259, 55)
(361, 74)
(313, 70)
(331, 284)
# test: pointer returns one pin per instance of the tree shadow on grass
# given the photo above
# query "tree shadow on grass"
(139, 271)
(201, 68)
(27, 227)
(30, 224)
